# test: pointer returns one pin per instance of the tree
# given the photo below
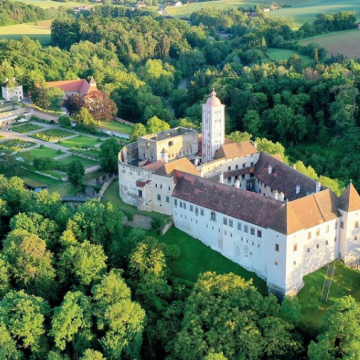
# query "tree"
(23, 316)
(225, 308)
(155, 125)
(4, 278)
(76, 172)
(85, 120)
(338, 338)
(137, 131)
(85, 262)
(56, 96)
(40, 96)
(71, 322)
(100, 106)
(108, 156)
(74, 103)
(238, 136)
(45, 163)
(90, 354)
(30, 263)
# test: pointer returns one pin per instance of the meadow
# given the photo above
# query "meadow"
(285, 54)
(40, 31)
(344, 42)
(46, 4)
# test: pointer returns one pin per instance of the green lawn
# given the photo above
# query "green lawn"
(85, 162)
(197, 258)
(116, 126)
(285, 54)
(25, 128)
(346, 282)
(342, 42)
(40, 32)
(79, 142)
(43, 152)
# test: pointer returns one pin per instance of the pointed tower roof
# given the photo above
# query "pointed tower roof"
(349, 199)
(213, 100)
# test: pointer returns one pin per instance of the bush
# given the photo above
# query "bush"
(42, 147)
(45, 163)
(59, 151)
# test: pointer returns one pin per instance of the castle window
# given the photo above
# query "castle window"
(191, 208)
(243, 176)
(181, 204)
(276, 263)
(169, 188)
(327, 228)
(335, 227)
(159, 197)
(309, 235)
(168, 199)
(342, 224)
(356, 224)
(355, 238)
(252, 163)
(229, 168)
(236, 167)
(229, 180)
(250, 253)
(225, 221)
(259, 233)
(252, 231)
(317, 232)
(258, 245)
(252, 243)
(196, 211)
(295, 247)
(246, 228)
(170, 143)
(230, 234)
(327, 242)
(294, 263)
(213, 216)
(317, 246)
(156, 185)
(185, 206)
(140, 193)
(201, 212)
(160, 186)
(277, 247)
(244, 166)
(231, 223)
(175, 202)
(239, 226)
(335, 239)
(308, 249)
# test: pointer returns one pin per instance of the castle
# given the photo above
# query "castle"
(244, 203)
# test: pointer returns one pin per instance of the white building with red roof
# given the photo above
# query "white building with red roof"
(80, 86)
(244, 203)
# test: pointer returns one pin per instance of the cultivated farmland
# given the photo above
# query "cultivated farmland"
(344, 42)
(40, 32)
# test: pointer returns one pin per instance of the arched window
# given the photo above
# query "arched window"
(213, 216)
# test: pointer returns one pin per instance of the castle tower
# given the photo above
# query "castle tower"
(213, 127)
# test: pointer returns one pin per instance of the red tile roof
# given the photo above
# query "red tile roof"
(154, 166)
(349, 199)
(235, 150)
(182, 164)
(80, 86)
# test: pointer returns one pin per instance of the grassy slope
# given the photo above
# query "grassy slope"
(40, 32)
(116, 126)
(346, 282)
(85, 162)
(344, 42)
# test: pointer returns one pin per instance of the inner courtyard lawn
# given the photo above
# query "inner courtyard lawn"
(79, 142)
(85, 162)
(25, 128)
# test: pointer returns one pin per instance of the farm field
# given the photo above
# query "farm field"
(188, 9)
(40, 32)
(342, 42)
(115, 126)
(79, 142)
(43, 152)
(69, 159)
(285, 54)
(45, 4)
(305, 10)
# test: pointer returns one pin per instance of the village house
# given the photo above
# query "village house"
(80, 86)
(244, 203)
(12, 90)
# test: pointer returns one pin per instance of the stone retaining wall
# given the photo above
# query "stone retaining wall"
(124, 121)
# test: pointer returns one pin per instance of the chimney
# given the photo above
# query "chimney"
(196, 161)
(281, 196)
(221, 177)
(297, 189)
(201, 173)
(237, 183)
(269, 169)
(276, 195)
(318, 186)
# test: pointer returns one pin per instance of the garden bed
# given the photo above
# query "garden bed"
(52, 134)
(15, 145)
(25, 128)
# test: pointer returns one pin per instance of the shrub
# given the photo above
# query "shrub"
(42, 147)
